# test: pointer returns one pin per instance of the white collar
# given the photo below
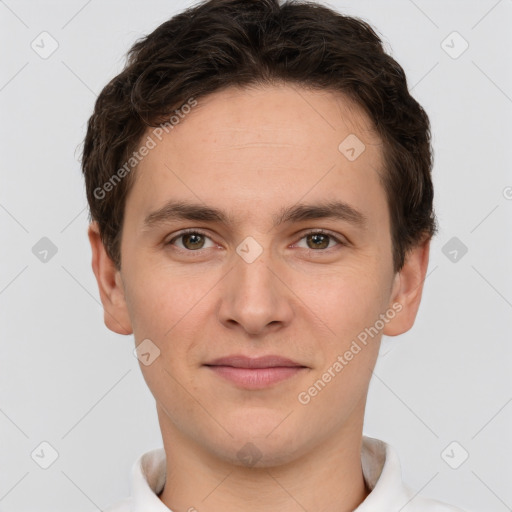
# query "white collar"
(381, 471)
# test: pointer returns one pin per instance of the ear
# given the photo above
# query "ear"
(110, 285)
(407, 289)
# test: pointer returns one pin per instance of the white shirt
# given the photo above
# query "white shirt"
(381, 471)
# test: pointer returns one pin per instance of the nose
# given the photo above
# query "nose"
(255, 298)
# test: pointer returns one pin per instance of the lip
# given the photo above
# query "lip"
(255, 372)
(241, 361)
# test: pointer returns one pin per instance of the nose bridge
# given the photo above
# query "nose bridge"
(252, 278)
(253, 296)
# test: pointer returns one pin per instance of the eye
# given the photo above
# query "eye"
(192, 240)
(316, 240)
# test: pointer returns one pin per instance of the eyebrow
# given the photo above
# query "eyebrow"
(180, 210)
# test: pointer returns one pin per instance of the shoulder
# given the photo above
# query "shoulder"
(124, 505)
(383, 475)
(421, 504)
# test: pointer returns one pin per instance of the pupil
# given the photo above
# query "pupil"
(319, 241)
(193, 241)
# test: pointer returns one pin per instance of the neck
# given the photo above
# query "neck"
(327, 478)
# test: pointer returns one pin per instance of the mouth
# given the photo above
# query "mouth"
(255, 373)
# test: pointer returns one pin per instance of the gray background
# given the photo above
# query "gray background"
(67, 380)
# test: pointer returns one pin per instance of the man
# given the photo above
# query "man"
(259, 181)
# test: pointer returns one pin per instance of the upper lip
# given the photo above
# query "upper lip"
(240, 361)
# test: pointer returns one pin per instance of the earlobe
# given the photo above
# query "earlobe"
(110, 286)
(408, 289)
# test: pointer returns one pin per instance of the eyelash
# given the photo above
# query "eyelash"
(311, 232)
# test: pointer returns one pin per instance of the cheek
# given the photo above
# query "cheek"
(349, 302)
(165, 309)
(162, 301)
(348, 298)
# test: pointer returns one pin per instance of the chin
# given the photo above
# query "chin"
(261, 444)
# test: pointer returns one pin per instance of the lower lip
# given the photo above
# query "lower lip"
(256, 378)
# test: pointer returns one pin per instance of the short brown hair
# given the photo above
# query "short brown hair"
(221, 43)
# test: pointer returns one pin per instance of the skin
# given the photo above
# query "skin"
(251, 152)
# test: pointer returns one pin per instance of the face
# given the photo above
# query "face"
(287, 253)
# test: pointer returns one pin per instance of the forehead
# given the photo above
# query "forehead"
(284, 116)
(254, 148)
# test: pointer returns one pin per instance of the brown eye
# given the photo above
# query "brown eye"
(192, 241)
(321, 241)
(318, 241)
